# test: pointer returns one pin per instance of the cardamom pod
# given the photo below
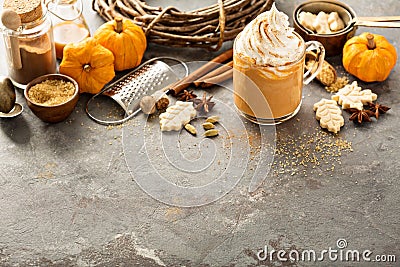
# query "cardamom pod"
(211, 133)
(190, 128)
(213, 119)
(208, 126)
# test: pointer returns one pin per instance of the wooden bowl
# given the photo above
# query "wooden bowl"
(332, 42)
(56, 113)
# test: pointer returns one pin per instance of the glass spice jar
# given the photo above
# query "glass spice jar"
(69, 24)
(28, 39)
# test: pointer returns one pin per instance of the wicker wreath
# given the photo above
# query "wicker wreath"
(207, 27)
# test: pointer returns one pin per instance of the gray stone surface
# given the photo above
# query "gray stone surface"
(68, 198)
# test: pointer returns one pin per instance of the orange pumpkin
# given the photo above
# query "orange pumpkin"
(369, 57)
(125, 39)
(89, 63)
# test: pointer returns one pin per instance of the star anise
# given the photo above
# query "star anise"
(204, 104)
(360, 115)
(186, 95)
(378, 109)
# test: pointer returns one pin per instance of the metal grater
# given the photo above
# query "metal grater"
(150, 77)
(128, 91)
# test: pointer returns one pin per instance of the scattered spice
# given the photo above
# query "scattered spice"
(186, 95)
(360, 115)
(51, 92)
(378, 109)
(308, 154)
(337, 85)
(204, 104)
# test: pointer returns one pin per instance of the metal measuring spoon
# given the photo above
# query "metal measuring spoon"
(8, 107)
(17, 109)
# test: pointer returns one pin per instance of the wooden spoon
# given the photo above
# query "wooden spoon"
(327, 75)
(12, 21)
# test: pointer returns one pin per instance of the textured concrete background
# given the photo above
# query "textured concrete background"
(67, 197)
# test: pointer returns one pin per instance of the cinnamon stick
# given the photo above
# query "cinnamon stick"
(217, 79)
(184, 83)
(214, 73)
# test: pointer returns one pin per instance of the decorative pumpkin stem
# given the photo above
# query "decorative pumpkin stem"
(371, 43)
(119, 28)
(87, 67)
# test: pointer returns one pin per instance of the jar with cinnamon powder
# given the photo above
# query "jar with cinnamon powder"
(28, 38)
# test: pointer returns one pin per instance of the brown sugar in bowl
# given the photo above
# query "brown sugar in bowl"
(56, 112)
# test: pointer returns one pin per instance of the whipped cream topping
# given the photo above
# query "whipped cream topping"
(269, 41)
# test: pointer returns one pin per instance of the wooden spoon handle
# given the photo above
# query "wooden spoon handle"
(16, 55)
(12, 21)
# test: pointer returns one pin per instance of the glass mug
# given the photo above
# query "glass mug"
(270, 95)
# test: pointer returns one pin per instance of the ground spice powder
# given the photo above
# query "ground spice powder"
(51, 92)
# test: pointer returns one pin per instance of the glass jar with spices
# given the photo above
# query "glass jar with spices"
(69, 24)
(28, 39)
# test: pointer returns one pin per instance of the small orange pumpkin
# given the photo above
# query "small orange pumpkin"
(369, 57)
(89, 63)
(125, 39)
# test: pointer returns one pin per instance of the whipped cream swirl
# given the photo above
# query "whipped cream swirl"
(269, 41)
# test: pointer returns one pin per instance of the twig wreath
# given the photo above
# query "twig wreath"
(206, 27)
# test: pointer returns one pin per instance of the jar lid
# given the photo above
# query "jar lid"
(27, 10)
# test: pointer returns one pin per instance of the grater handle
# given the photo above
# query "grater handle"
(103, 122)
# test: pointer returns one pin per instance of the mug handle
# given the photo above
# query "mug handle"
(319, 60)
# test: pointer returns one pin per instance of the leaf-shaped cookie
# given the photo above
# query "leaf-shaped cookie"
(351, 96)
(329, 115)
(176, 116)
